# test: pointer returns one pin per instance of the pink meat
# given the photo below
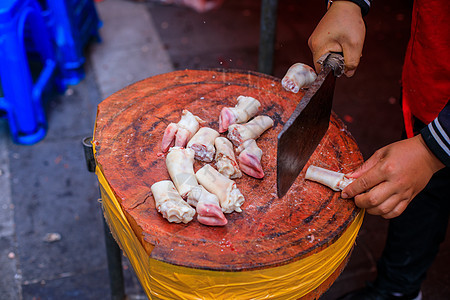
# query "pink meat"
(250, 165)
(210, 214)
(169, 137)
(182, 138)
(226, 118)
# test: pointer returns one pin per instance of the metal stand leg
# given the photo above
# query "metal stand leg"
(267, 35)
(114, 257)
(113, 252)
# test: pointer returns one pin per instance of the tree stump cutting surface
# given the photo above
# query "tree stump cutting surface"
(270, 231)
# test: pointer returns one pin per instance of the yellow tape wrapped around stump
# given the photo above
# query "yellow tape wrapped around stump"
(166, 281)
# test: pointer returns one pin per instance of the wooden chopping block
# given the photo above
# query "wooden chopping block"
(269, 232)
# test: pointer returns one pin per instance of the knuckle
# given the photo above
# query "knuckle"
(313, 44)
(384, 210)
(359, 203)
(352, 65)
(379, 154)
(310, 41)
(388, 168)
(397, 211)
(353, 42)
(372, 201)
(363, 183)
(366, 201)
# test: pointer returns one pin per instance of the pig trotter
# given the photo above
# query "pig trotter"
(169, 137)
(334, 180)
(182, 137)
(250, 165)
(210, 214)
(226, 118)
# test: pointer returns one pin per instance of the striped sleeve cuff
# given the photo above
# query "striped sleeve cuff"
(363, 4)
(438, 141)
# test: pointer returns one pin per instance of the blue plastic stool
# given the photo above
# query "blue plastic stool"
(73, 24)
(22, 96)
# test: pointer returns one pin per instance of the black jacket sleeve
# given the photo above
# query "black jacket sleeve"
(436, 135)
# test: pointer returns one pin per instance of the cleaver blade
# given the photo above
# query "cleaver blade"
(307, 125)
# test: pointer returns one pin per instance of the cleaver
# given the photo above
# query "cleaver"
(308, 123)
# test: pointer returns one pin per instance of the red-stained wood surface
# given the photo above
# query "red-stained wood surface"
(270, 231)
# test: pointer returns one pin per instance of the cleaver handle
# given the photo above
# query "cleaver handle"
(333, 60)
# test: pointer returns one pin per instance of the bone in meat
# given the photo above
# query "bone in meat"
(239, 133)
(225, 159)
(334, 180)
(170, 204)
(203, 144)
(250, 159)
(225, 189)
(207, 206)
(245, 108)
(298, 76)
(180, 165)
(179, 134)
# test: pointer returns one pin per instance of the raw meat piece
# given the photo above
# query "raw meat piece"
(225, 189)
(203, 144)
(245, 108)
(334, 180)
(239, 133)
(250, 159)
(170, 204)
(225, 159)
(179, 134)
(180, 165)
(207, 206)
(298, 76)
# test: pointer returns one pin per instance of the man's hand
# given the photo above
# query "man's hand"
(387, 182)
(341, 29)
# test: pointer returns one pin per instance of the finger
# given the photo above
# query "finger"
(363, 183)
(316, 55)
(385, 206)
(397, 211)
(380, 200)
(352, 56)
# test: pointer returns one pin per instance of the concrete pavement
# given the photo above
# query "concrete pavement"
(10, 276)
(51, 235)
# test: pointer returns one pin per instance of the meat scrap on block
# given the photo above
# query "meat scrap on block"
(179, 134)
